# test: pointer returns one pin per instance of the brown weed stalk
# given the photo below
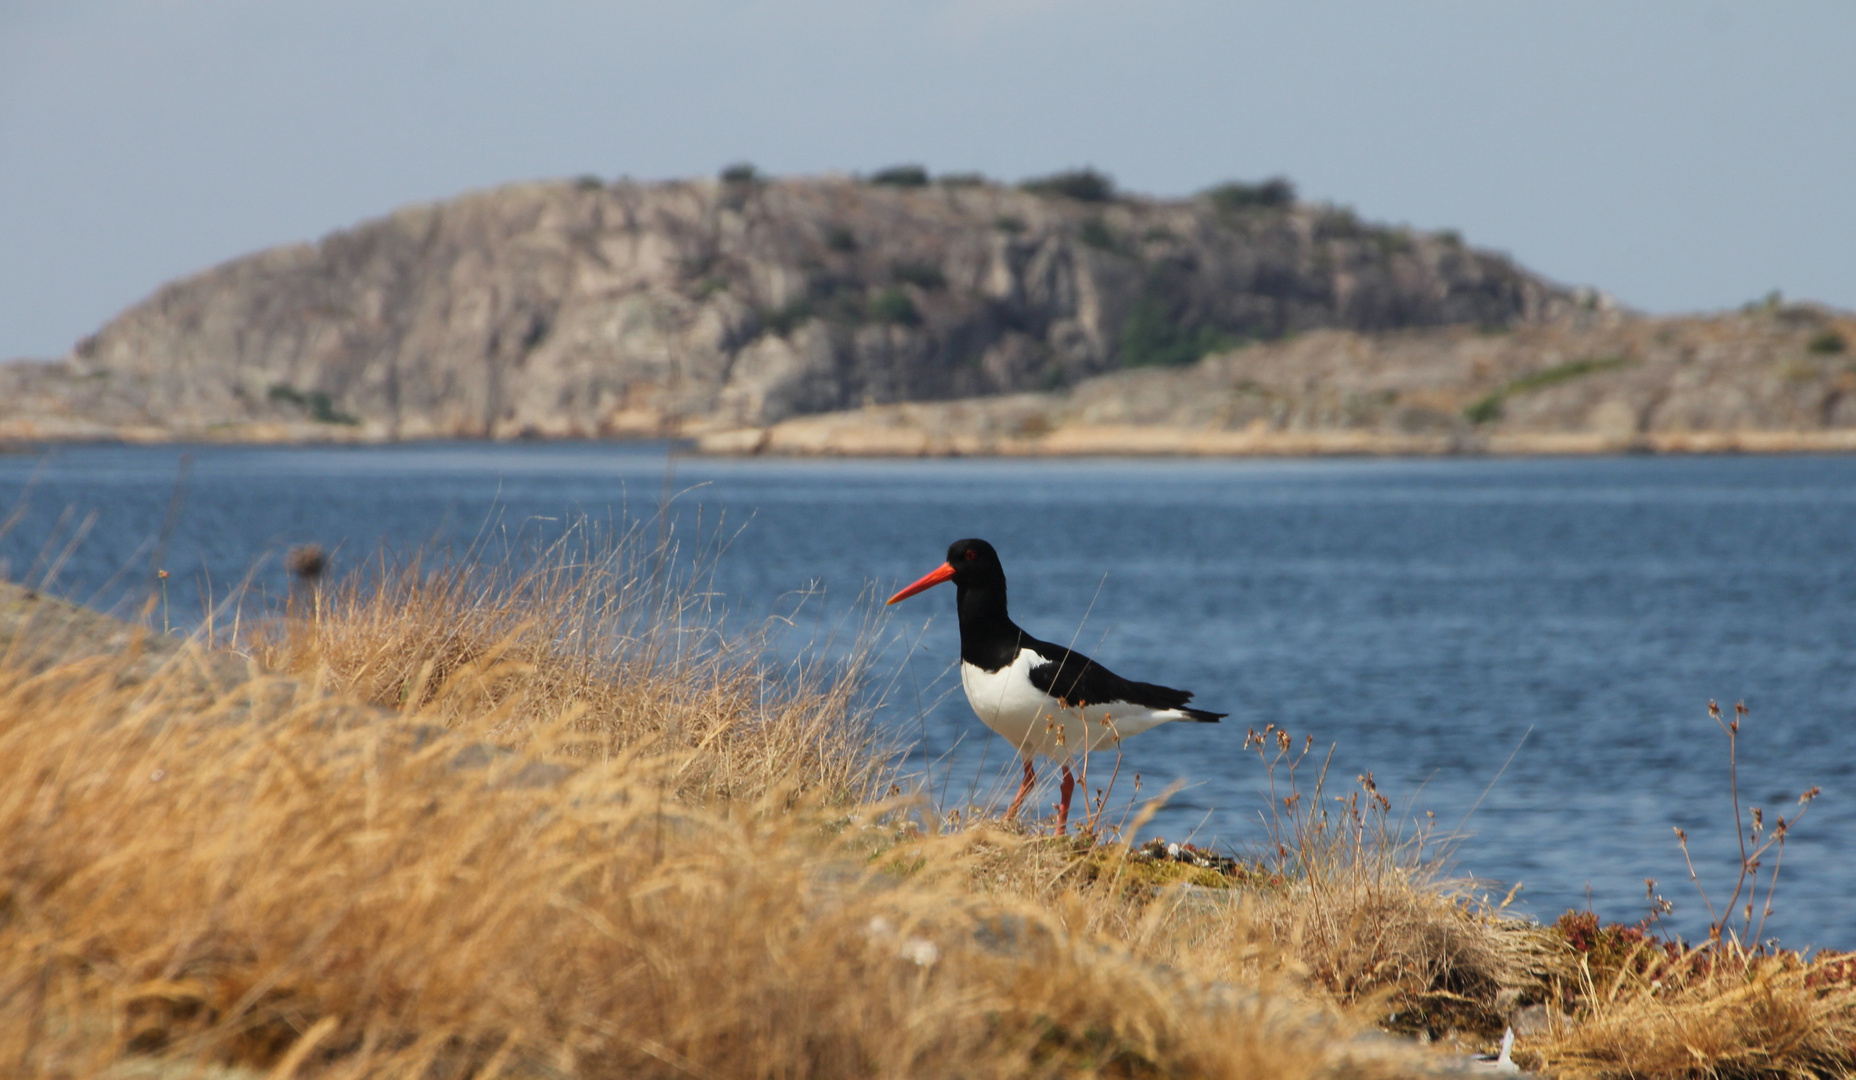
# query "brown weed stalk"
(1754, 842)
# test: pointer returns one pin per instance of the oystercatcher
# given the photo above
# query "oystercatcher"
(1045, 699)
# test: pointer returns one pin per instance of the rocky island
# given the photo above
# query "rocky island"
(904, 314)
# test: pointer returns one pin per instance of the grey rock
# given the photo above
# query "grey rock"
(1534, 1020)
(557, 309)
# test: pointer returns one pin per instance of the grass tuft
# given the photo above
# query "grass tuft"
(594, 646)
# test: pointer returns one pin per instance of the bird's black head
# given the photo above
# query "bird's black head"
(975, 563)
(971, 564)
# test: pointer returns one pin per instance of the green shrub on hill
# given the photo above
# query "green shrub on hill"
(907, 176)
(1152, 336)
(1827, 342)
(1083, 185)
(893, 306)
(1237, 196)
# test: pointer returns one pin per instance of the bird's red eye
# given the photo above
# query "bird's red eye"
(971, 555)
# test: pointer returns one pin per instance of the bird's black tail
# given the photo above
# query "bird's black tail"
(1204, 717)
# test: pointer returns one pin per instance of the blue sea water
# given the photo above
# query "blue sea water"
(1526, 647)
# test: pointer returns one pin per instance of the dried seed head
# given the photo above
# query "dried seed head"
(306, 562)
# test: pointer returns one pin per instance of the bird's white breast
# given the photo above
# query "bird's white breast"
(1035, 723)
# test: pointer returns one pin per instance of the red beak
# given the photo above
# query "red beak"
(930, 580)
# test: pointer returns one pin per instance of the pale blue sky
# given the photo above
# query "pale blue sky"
(1681, 154)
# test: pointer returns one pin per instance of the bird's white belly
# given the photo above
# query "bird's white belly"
(1035, 723)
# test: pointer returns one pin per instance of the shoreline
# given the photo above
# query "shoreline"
(831, 437)
(826, 438)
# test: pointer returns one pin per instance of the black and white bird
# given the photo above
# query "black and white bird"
(1045, 699)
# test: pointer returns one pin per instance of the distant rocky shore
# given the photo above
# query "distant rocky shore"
(1771, 380)
(899, 314)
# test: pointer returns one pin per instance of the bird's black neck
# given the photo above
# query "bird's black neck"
(989, 639)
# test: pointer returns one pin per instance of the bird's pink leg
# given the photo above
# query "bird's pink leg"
(1024, 789)
(1066, 789)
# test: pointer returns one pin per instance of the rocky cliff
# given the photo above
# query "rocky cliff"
(593, 309)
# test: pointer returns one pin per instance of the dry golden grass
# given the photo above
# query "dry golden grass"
(1373, 914)
(601, 644)
(271, 879)
(1339, 909)
(1643, 1007)
(677, 865)
(1342, 909)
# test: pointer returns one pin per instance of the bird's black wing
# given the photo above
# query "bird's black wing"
(1076, 680)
